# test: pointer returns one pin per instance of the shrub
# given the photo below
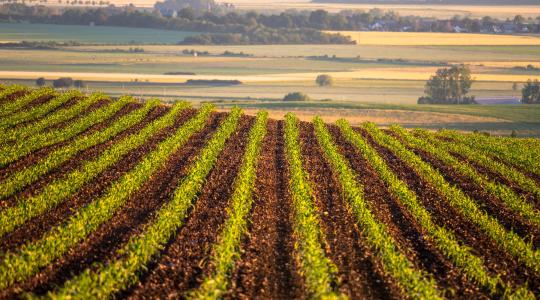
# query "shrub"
(324, 80)
(296, 96)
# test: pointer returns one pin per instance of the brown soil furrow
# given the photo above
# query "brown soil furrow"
(495, 259)
(129, 221)
(406, 231)
(80, 158)
(36, 227)
(184, 261)
(267, 268)
(35, 156)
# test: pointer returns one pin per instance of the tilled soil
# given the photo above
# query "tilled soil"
(129, 220)
(267, 268)
(184, 262)
(495, 259)
(36, 227)
(360, 273)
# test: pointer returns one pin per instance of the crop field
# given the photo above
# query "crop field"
(438, 39)
(103, 198)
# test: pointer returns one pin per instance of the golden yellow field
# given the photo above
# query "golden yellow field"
(438, 39)
(398, 73)
(439, 11)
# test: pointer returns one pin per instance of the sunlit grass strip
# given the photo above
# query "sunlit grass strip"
(10, 153)
(19, 103)
(511, 152)
(415, 283)
(13, 134)
(507, 240)
(501, 191)
(227, 250)
(5, 107)
(27, 261)
(106, 279)
(460, 255)
(16, 181)
(60, 189)
(316, 268)
(507, 195)
(37, 111)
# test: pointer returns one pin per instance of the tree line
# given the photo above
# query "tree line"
(247, 28)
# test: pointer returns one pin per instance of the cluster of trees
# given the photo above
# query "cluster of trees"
(531, 92)
(296, 96)
(63, 82)
(449, 86)
(204, 16)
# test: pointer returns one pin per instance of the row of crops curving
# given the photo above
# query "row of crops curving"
(115, 198)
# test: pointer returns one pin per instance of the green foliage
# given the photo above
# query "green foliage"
(507, 240)
(12, 152)
(444, 240)
(441, 151)
(522, 153)
(59, 190)
(415, 283)
(449, 86)
(530, 94)
(55, 118)
(104, 280)
(13, 106)
(227, 250)
(296, 96)
(38, 111)
(19, 179)
(324, 80)
(317, 269)
(28, 259)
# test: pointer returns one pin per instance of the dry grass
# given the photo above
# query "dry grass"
(438, 39)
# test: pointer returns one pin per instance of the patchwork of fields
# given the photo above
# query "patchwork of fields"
(102, 197)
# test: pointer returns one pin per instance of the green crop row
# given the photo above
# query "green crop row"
(443, 239)
(507, 240)
(10, 106)
(416, 283)
(19, 103)
(511, 153)
(59, 190)
(18, 133)
(317, 269)
(16, 181)
(106, 279)
(37, 111)
(227, 250)
(442, 152)
(26, 261)
(10, 153)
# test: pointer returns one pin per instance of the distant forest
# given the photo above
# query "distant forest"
(461, 2)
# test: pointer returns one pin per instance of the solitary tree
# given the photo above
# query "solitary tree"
(324, 80)
(40, 81)
(449, 86)
(530, 94)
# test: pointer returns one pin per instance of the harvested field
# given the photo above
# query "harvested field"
(133, 200)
